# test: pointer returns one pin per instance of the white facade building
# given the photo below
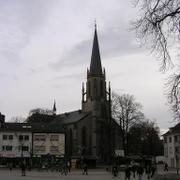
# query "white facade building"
(15, 140)
(172, 146)
(48, 143)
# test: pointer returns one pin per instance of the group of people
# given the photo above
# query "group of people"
(138, 170)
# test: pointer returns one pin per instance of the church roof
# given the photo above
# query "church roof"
(95, 66)
(70, 117)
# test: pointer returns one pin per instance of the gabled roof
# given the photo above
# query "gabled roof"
(70, 117)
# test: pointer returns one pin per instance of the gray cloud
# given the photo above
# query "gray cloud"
(114, 41)
(19, 19)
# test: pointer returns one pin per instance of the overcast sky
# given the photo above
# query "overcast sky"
(45, 49)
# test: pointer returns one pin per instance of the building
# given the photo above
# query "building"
(30, 142)
(15, 142)
(172, 146)
(91, 133)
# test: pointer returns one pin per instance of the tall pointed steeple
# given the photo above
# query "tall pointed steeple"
(54, 107)
(95, 66)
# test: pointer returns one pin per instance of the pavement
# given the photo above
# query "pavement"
(171, 174)
(75, 174)
(93, 174)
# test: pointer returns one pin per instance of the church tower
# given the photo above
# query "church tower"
(95, 97)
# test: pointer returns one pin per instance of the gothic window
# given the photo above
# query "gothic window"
(84, 136)
(95, 83)
(70, 142)
(84, 140)
(101, 88)
(89, 88)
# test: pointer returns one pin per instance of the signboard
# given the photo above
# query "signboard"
(119, 152)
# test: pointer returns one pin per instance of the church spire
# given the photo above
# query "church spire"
(54, 107)
(95, 66)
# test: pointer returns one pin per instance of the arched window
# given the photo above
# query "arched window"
(95, 83)
(89, 88)
(70, 142)
(101, 88)
(84, 136)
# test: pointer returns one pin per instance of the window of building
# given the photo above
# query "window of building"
(10, 137)
(20, 137)
(39, 149)
(170, 150)
(54, 149)
(26, 137)
(39, 137)
(170, 139)
(8, 148)
(4, 137)
(101, 88)
(54, 138)
(25, 148)
(89, 88)
(166, 152)
(165, 139)
(84, 136)
(177, 138)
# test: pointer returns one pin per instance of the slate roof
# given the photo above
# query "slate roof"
(70, 117)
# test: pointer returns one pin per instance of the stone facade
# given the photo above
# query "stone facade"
(172, 146)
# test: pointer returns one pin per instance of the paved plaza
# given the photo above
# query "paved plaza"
(99, 174)
(93, 174)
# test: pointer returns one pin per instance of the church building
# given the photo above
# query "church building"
(91, 132)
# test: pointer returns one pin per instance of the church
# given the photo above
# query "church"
(91, 132)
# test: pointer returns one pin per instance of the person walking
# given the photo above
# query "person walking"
(165, 167)
(127, 173)
(153, 170)
(85, 169)
(23, 169)
(140, 172)
(133, 169)
(115, 170)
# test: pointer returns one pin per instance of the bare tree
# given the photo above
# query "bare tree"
(145, 136)
(158, 26)
(18, 119)
(44, 111)
(126, 111)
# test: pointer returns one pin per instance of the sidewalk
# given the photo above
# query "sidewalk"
(171, 174)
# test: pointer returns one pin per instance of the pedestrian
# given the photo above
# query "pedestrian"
(127, 173)
(133, 169)
(10, 166)
(148, 171)
(23, 169)
(85, 169)
(69, 166)
(165, 167)
(115, 170)
(153, 170)
(140, 172)
(64, 170)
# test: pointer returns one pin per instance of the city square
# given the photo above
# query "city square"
(79, 91)
(76, 174)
